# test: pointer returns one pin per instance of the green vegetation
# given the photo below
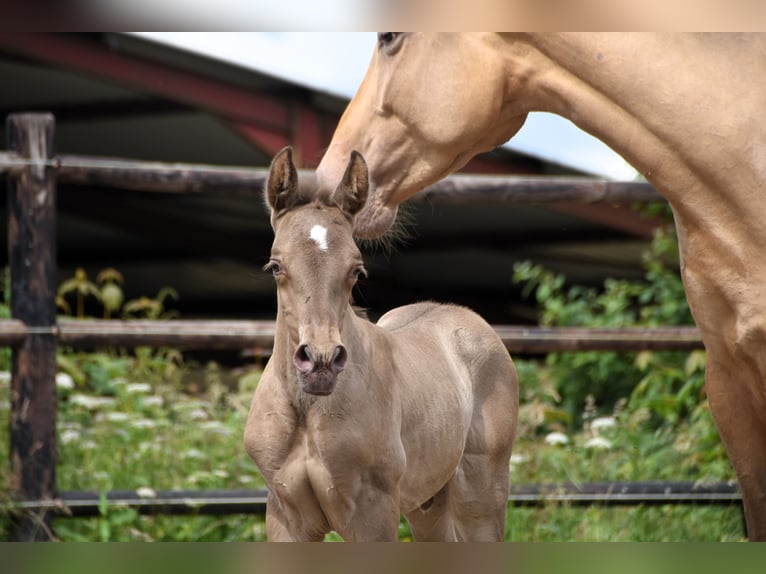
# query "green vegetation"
(150, 420)
(618, 416)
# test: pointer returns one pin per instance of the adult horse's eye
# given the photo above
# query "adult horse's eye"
(389, 40)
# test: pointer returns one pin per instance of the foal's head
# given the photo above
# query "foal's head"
(316, 264)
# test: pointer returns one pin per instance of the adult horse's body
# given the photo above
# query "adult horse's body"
(354, 423)
(686, 110)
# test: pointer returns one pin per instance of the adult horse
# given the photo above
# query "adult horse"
(685, 110)
(355, 423)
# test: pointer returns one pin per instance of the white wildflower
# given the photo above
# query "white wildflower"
(115, 417)
(153, 401)
(603, 423)
(5, 377)
(245, 479)
(90, 402)
(133, 388)
(518, 458)
(193, 453)
(143, 424)
(149, 447)
(69, 435)
(198, 415)
(89, 445)
(220, 473)
(216, 427)
(64, 381)
(556, 438)
(146, 492)
(211, 425)
(598, 442)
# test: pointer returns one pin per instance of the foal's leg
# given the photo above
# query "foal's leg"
(432, 522)
(479, 498)
(375, 517)
(280, 529)
(478, 493)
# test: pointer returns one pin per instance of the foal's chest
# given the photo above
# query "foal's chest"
(317, 475)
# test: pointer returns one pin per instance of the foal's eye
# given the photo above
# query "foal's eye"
(273, 267)
(359, 272)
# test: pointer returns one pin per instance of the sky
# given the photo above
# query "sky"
(335, 62)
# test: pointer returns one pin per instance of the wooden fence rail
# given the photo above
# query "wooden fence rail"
(160, 177)
(34, 332)
(233, 335)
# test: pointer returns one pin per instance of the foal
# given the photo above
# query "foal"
(354, 423)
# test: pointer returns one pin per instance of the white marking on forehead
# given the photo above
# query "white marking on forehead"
(319, 236)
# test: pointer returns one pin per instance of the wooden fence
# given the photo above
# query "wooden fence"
(34, 331)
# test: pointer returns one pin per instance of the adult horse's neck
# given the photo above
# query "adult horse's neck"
(679, 108)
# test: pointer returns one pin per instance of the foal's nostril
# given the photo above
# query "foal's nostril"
(307, 362)
(303, 359)
(339, 358)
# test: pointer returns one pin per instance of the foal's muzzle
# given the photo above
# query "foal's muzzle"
(318, 371)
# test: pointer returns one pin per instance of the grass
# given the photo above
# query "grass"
(146, 420)
(669, 523)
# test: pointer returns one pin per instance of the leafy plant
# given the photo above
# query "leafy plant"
(668, 384)
(82, 288)
(656, 400)
(148, 308)
(112, 296)
(108, 293)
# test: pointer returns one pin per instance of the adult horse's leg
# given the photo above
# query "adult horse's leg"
(731, 316)
(735, 392)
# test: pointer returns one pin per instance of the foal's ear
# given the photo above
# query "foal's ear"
(281, 190)
(351, 194)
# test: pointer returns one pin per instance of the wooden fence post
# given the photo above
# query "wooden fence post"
(32, 257)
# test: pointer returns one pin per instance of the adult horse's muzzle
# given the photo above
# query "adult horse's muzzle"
(318, 371)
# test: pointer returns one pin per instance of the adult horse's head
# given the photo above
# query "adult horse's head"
(316, 264)
(428, 104)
